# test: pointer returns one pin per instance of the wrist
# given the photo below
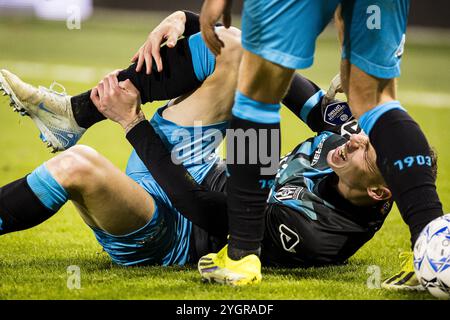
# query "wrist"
(131, 124)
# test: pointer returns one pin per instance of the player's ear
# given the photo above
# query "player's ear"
(379, 192)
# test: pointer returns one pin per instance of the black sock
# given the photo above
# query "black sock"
(84, 110)
(248, 187)
(177, 78)
(20, 209)
(404, 159)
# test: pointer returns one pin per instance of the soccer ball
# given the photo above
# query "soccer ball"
(432, 257)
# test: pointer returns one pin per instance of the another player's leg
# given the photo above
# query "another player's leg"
(276, 41)
(109, 200)
(255, 114)
(368, 72)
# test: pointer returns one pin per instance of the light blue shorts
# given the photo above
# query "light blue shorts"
(285, 32)
(165, 239)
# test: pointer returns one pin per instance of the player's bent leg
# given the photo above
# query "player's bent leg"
(178, 77)
(212, 102)
(107, 198)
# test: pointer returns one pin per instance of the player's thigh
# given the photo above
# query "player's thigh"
(112, 201)
(374, 35)
(285, 31)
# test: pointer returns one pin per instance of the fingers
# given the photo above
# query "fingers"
(157, 56)
(141, 59)
(227, 20)
(156, 39)
(115, 72)
(227, 14)
(95, 97)
(135, 57)
(148, 60)
(101, 90)
(212, 40)
(172, 40)
(113, 83)
(106, 87)
(128, 85)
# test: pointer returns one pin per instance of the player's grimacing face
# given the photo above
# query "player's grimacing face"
(354, 162)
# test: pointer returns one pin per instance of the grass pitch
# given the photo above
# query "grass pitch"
(34, 263)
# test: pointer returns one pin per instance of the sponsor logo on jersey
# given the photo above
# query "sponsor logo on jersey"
(289, 239)
(337, 113)
(318, 151)
(289, 192)
(350, 128)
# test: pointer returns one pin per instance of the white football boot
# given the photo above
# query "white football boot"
(51, 111)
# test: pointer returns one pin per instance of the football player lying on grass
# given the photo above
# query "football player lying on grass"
(327, 201)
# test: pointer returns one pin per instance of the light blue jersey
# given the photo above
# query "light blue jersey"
(165, 240)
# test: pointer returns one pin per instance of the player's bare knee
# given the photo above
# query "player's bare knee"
(74, 168)
(232, 51)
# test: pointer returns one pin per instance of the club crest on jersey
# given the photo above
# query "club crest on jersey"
(288, 193)
(337, 113)
(289, 239)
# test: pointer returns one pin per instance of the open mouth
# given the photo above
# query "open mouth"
(343, 152)
(339, 156)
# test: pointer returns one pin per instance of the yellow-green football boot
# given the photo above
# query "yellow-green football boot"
(218, 267)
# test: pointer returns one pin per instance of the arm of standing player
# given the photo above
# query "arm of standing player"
(211, 12)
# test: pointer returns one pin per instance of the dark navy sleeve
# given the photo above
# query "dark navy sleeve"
(192, 25)
(306, 100)
(203, 207)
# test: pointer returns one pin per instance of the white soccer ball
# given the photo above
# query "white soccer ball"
(432, 257)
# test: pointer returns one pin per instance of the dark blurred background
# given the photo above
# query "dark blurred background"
(427, 13)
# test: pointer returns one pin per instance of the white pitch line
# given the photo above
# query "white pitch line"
(55, 72)
(86, 75)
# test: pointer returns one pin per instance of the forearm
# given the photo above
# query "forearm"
(300, 100)
(206, 209)
(306, 100)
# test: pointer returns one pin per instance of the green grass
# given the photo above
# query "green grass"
(33, 263)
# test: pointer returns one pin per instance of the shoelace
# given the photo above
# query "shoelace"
(51, 89)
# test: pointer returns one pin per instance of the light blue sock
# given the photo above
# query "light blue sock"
(47, 189)
(255, 111)
(203, 59)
